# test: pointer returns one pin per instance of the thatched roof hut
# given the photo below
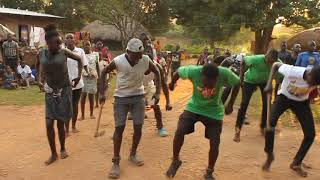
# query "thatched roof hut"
(109, 34)
(304, 37)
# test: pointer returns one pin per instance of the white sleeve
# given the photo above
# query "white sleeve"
(284, 69)
(117, 60)
(29, 70)
(84, 58)
(293, 72)
(19, 69)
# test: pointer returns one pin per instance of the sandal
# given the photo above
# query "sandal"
(299, 170)
(115, 170)
(136, 160)
(237, 137)
(175, 165)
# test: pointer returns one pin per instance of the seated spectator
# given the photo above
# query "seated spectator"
(34, 72)
(2, 68)
(25, 74)
(9, 79)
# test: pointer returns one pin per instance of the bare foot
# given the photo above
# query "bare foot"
(75, 130)
(270, 158)
(51, 160)
(81, 119)
(67, 134)
(175, 165)
(92, 117)
(64, 154)
(262, 131)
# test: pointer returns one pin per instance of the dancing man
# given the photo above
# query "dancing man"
(129, 97)
(254, 72)
(298, 82)
(205, 106)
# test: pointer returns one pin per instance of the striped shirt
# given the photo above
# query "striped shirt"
(10, 49)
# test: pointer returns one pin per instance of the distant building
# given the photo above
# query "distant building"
(21, 22)
(27, 27)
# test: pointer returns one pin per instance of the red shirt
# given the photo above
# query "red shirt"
(105, 54)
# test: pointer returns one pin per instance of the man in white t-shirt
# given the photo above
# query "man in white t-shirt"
(129, 97)
(294, 95)
(25, 74)
(73, 74)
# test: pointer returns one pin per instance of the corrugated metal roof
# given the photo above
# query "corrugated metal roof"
(26, 13)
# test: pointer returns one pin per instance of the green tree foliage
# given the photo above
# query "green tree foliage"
(32, 5)
(223, 17)
(261, 16)
(200, 16)
(77, 12)
(157, 20)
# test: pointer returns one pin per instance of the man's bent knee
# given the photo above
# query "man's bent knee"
(118, 132)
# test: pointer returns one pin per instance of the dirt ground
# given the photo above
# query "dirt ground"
(24, 149)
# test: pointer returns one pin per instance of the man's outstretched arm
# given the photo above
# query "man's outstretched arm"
(174, 80)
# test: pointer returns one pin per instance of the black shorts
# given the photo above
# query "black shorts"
(187, 120)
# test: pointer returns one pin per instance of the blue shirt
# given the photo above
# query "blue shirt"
(307, 59)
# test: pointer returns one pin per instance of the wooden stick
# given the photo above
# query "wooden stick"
(97, 134)
(269, 95)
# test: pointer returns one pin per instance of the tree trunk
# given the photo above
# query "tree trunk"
(262, 40)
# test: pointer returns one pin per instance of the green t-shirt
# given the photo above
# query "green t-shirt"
(258, 70)
(211, 107)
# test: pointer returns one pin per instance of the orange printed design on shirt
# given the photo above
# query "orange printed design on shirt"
(206, 92)
(298, 91)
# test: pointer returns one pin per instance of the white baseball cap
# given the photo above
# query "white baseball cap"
(135, 45)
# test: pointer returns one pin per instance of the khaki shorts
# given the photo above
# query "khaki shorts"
(123, 105)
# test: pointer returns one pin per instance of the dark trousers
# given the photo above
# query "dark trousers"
(247, 91)
(225, 94)
(305, 118)
(76, 94)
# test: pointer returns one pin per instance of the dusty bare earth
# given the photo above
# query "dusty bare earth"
(24, 148)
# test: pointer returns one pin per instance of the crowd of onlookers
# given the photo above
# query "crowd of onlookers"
(14, 72)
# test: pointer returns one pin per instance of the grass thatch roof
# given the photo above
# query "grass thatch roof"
(304, 37)
(107, 32)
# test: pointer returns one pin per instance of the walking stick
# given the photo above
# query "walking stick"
(97, 133)
(269, 95)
